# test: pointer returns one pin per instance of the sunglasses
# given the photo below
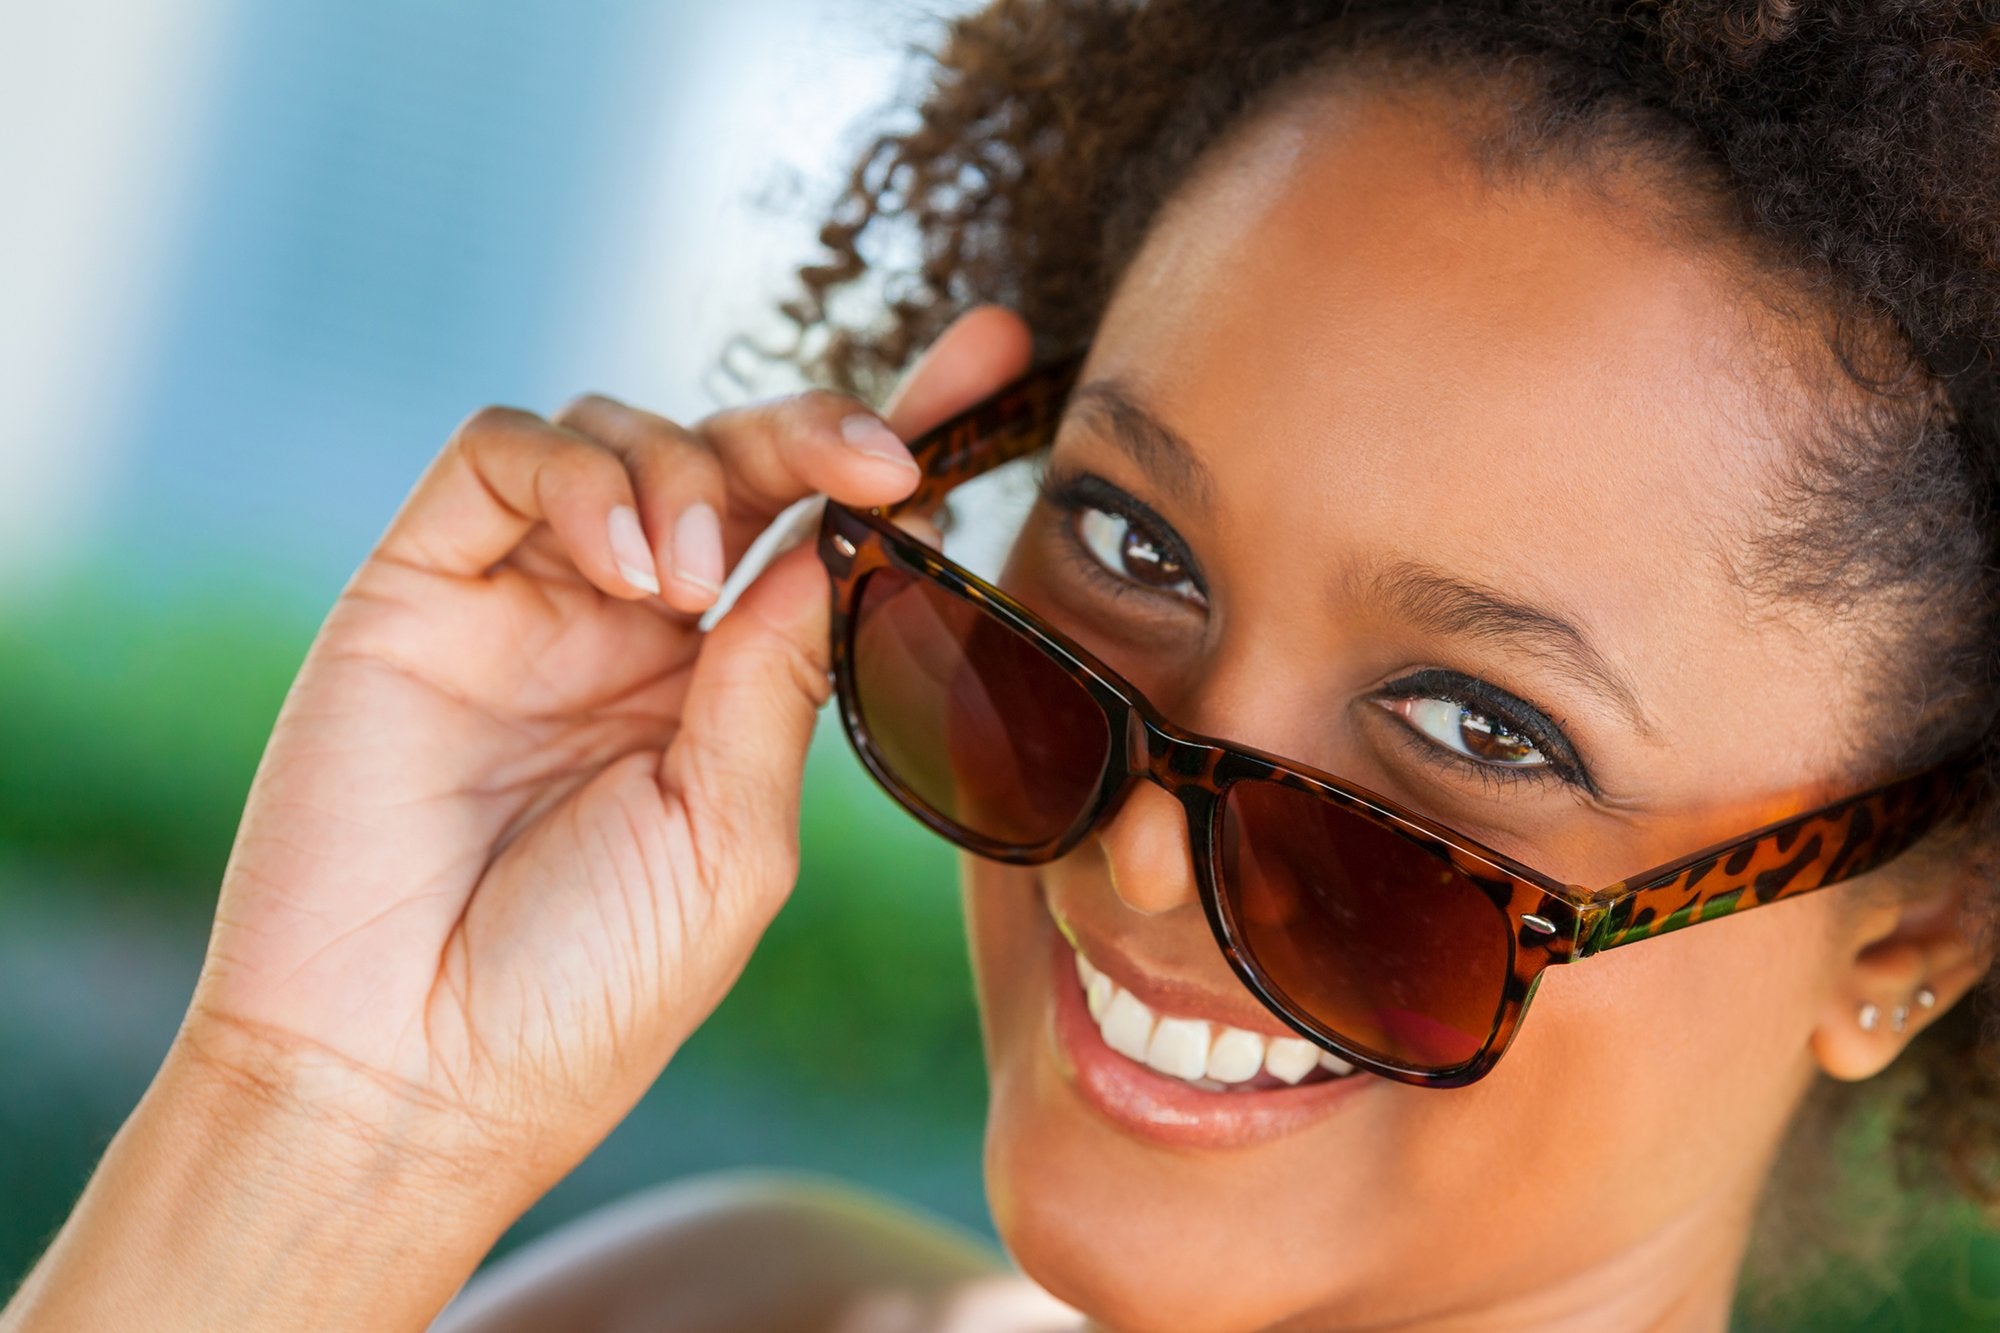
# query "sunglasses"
(1401, 945)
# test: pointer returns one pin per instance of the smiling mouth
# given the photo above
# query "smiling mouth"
(1213, 1057)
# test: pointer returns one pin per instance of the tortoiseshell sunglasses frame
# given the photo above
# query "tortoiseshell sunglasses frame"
(1548, 922)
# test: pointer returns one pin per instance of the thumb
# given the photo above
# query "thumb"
(738, 761)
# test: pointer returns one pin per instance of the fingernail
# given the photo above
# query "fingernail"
(698, 548)
(628, 547)
(864, 434)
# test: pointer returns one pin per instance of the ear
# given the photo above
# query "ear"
(1906, 962)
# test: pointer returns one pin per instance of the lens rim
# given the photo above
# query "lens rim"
(1110, 778)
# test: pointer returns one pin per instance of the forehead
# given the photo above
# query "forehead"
(1383, 355)
(1347, 268)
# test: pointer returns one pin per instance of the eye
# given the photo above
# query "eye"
(1130, 551)
(1466, 730)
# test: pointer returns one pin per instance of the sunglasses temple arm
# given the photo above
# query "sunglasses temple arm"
(1011, 424)
(1812, 851)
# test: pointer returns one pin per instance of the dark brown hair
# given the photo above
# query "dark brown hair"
(1852, 145)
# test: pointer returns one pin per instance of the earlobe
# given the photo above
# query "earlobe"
(1902, 975)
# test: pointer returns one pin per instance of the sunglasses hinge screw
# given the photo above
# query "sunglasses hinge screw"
(842, 545)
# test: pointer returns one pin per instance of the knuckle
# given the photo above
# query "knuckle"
(577, 460)
(695, 468)
(823, 402)
(588, 404)
(810, 674)
(820, 409)
(491, 420)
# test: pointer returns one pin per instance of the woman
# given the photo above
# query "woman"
(1571, 425)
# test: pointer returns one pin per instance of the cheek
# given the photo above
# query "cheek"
(1686, 1052)
(1003, 920)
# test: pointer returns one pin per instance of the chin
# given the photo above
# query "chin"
(1136, 1229)
(1136, 1269)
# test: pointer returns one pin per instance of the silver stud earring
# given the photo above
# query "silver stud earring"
(1867, 1017)
(1900, 1018)
(1926, 998)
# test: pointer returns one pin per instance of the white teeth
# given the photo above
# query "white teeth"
(1236, 1056)
(1210, 1056)
(1127, 1025)
(1098, 996)
(1290, 1058)
(1179, 1047)
(1097, 987)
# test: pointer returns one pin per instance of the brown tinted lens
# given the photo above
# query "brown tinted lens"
(971, 717)
(1386, 945)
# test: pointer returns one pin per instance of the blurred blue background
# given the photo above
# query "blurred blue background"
(255, 262)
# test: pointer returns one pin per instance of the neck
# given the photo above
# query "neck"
(1679, 1279)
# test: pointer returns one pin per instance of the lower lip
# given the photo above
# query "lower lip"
(1165, 1110)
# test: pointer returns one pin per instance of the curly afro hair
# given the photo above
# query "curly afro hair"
(1852, 146)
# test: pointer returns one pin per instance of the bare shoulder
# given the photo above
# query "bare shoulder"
(740, 1251)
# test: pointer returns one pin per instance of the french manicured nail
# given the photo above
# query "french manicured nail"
(698, 548)
(628, 546)
(864, 434)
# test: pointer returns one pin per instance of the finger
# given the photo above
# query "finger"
(815, 442)
(746, 720)
(503, 472)
(977, 355)
(681, 493)
(775, 453)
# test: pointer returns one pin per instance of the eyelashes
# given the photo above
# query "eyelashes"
(1451, 720)
(1501, 736)
(1123, 537)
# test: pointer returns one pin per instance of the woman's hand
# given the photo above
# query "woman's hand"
(521, 822)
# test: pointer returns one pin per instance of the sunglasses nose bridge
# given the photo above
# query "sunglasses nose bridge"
(1154, 753)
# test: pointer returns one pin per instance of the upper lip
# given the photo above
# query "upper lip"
(1168, 994)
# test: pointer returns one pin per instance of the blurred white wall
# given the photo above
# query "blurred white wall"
(782, 98)
(101, 103)
(256, 259)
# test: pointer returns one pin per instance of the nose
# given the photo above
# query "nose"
(1146, 848)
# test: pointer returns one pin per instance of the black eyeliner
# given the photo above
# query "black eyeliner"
(1515, 714)
(1070, 492)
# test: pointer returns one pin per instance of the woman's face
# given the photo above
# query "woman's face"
(1385, 420)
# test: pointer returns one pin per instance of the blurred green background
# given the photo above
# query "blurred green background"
(128, 733)
(258, 261)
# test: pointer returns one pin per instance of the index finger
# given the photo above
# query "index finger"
(775, 454)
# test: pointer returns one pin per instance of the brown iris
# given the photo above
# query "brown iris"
(1494, 741)
(1147, 561)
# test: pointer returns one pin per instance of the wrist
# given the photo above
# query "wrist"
(234, 1199)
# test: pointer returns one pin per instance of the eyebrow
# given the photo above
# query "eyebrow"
(1150, 442)
(1449, 605)
(1430, 597)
